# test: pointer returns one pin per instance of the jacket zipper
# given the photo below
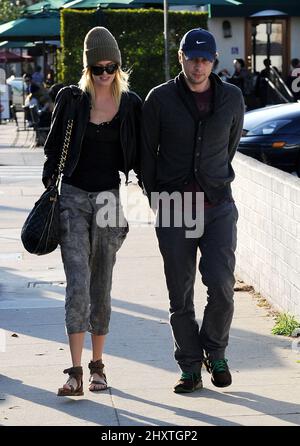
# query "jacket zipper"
(80, 146)
(123, 150)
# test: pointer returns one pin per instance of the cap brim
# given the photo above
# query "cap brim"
(198, 53)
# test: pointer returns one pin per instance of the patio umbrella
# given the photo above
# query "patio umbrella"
(90, 4)
(16, 44)
(249, 7)
(47, 5)
(7, 57)
(39, 26)
(94, 4)
(34, 27)
(187, 2)
(10, 57)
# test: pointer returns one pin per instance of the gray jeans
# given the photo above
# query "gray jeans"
(217, 246)
(88, 248)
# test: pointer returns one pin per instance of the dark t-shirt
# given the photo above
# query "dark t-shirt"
(204, 104)
(101, 158)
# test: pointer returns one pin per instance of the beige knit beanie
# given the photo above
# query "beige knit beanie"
(100, 44)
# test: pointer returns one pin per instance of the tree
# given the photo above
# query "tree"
(9, 10)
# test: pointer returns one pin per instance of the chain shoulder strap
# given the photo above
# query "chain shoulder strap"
(65, 148)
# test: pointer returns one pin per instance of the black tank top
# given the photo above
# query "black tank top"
(101, 158)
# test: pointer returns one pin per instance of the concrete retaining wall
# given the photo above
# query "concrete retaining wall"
(268, 253)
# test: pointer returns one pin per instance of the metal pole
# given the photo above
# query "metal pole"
(45, 57)
(269, 32)
(254, 33)
(166, 41)
(99, 15)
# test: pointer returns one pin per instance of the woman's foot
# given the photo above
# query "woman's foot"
(74, 385)
(97, 381)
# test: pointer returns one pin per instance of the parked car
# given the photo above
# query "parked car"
(272, 135)
(18, 87)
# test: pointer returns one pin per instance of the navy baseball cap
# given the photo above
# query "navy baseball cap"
(198, 43)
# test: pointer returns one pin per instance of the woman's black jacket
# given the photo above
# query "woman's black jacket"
(73, 103)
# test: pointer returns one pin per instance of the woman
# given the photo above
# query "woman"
(103, 141)
(243, 79)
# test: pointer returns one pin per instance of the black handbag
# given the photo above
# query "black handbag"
(41, 231)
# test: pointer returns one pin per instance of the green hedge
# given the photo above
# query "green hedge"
(140, 37)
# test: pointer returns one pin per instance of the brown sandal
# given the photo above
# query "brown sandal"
(74, 373)
(97, 367)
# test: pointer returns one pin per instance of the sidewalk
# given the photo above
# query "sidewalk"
(139, 350)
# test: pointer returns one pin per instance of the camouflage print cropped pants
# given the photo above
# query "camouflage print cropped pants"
(89, 242)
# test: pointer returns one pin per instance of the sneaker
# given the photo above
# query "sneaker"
(188, 382)
(220, 374)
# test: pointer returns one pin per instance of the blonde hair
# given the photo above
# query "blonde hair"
(120, 84)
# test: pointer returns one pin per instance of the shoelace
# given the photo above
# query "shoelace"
(219, 365)
(189, 375)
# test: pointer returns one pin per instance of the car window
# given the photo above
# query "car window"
(266, 128)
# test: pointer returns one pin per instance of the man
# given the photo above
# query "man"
(37, 76)
(191, 129)
(28, 82)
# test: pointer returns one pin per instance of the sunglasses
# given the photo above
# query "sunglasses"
(99, 69)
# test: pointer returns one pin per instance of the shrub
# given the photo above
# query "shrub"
(140, 37)
(285, 324)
